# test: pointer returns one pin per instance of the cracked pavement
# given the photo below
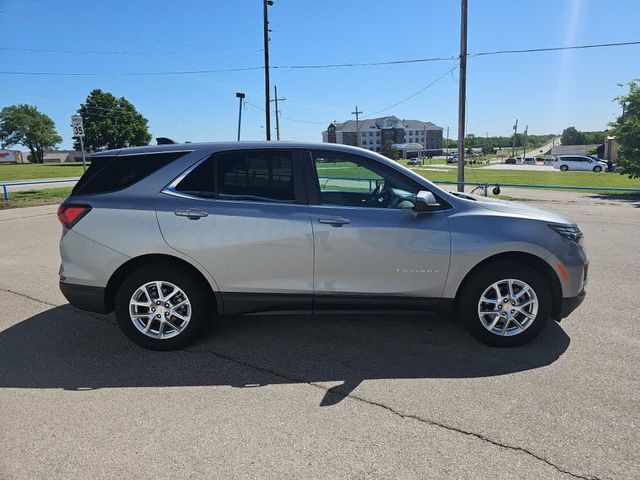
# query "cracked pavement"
(357, 396)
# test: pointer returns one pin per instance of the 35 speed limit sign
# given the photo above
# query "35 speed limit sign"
(76, 125)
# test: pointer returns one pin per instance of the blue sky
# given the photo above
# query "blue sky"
(547, 91)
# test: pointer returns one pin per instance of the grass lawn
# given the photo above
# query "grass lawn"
(579, 179)
(30, 198)
(29, 171)
(481, 175)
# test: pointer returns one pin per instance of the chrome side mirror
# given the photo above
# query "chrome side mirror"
(425, 201)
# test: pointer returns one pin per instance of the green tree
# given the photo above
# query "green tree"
(111, 122)
(26, 125)
(627, 130)
(390, 152)
(593, 138)
(571, 136)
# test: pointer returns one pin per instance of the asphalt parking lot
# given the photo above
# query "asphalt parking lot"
(360, 396)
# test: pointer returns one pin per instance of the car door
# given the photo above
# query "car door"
(243, 216)
(577, 163)
(371, 248)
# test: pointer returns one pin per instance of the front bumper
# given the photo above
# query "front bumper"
(84, 297)
(570, 304)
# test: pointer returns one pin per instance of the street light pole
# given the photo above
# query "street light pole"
(240, 96)
(267, 102)
(515, 133)
(462, 93)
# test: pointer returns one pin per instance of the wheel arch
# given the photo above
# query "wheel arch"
(530, 260)
(156, 259)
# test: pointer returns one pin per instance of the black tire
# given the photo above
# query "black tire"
(197, 293)
(485, 276)
(564, 168)
(597, 169)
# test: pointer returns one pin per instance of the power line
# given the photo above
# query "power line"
(118, 52)
(328, 65)
(286, 118)
(365, 64)
(406, 99)
(555, 49)
(96, 74)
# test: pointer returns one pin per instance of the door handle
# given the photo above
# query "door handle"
(334, 221)
(192, 213)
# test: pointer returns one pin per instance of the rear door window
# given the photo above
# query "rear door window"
(113, 173)
(260, 175)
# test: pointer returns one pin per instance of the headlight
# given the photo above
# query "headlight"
(570, 232)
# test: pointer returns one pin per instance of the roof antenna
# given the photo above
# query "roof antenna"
(165, 141)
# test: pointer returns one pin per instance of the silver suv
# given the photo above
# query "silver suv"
(173, 236)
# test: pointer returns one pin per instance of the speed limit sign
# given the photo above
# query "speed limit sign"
(76, 125)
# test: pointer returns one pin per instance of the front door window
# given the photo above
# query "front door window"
(350, 180)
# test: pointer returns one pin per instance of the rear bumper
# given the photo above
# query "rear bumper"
(84, 297)
(570, 304)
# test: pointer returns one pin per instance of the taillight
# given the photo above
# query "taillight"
(70, 214)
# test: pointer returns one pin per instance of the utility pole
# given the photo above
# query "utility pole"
(240, 96)
(462, 93)
(276, 100)
(357, 114)
(486, 147)
(267, 103)
(424, 146)
(524, 143)
(515, 132)
(447, 140)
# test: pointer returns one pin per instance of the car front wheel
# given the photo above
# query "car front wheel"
(597, 169)
(161, 308)
(506, 304)
(564, 168)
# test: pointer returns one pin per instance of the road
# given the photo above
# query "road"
(543, 149)
(375, 396)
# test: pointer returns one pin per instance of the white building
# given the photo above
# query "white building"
(373, 134)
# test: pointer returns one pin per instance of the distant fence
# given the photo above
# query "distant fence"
(485, 185)
(6, 185)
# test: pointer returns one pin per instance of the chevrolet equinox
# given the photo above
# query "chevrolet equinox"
(172, 236)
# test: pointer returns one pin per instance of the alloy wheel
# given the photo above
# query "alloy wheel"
(508, 307)
(160, 310)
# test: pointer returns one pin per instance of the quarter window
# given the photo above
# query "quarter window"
(110, 174)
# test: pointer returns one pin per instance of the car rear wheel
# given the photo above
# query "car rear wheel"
(161, 308)
(597, 169)
(564, 168)
(506, 304)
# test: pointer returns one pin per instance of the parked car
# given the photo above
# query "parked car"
(511, 160)
(414, 161)
(452, 159)
(529, 161)
(549, 159)
(579, 163)
(172, 236)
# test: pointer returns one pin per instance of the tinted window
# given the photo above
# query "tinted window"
(200, 181)
(109, 174)
(260, 176)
